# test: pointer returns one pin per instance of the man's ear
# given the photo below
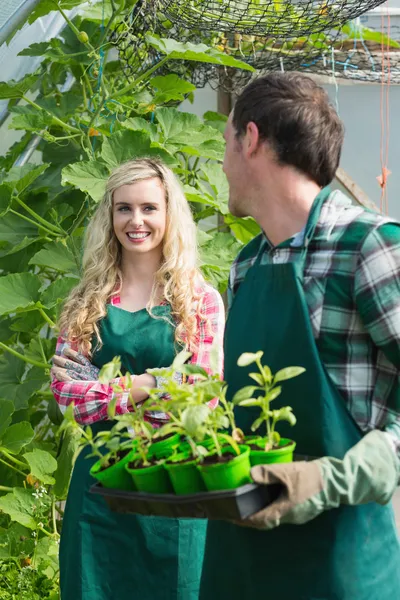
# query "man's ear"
(251, 139)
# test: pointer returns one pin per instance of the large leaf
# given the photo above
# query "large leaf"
(195, 52)
(42, 465)
(17, 89)
(56, 256)
(45, 6)
(6, 411)
(244, 229)
(31, 122)
(13, 229)
(65, 459)
(19, 178)
(18, 291)
(90, 177)
(181, 128)
(58, 291)
(20, 505)
(41, 349)
(288, 373)
(12, 385)
(126, 145)
(170, 87)
(5, 198)
(17, 436)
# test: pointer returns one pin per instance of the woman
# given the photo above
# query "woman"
(142, 298)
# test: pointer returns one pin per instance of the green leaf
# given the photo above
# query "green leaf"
(31, 122)
(170, 87)
(250, 402)
(181, 128)
(5, 199)
(20, 505)
(44, 7)
(194, 417)
(6, 411)
(244, 394)
(58, 291)
(248, 358)
(244, 229)
(194, 370)
(140, 124)
(180, 360)
(18, 291)
(257, 423)
(14, 230)
(12, 385)
(41, 349)
(56, 256)
(17, 436)
(17, 89)
(110, 370)
(69, 447)
(89, 177)
(288, 373)
(274, 394)
(194, 52)
(257, 378)
(127, 145)
(285, 414)
(19, 178)
(41, 464)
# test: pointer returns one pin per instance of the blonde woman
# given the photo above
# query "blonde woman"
(141, 297)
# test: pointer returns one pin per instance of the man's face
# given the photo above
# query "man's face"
(235, 170)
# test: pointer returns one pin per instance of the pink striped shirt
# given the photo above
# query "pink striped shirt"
(91, 398)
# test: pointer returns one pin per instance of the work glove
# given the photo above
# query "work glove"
(369, 472)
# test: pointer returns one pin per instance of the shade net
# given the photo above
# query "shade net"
(352, 51)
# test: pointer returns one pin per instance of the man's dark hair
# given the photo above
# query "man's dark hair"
(295, 116)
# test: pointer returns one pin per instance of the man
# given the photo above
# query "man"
(319, 288)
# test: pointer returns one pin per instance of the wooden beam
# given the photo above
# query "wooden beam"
(355, 190)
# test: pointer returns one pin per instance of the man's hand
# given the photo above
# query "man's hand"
(369, 472)
(73, 366)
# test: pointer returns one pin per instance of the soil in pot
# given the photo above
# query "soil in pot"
(184, 475)
(221, 474)
(114, 475)
(282, 454)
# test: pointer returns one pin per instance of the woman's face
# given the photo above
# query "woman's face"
(139, 216)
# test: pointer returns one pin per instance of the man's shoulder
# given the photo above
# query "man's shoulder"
(347, 225)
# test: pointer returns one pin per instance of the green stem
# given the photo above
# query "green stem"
(46, 318)
(74, 29)
(14, 212)
(4, 488)
(142, 77)
(87, 80)
(13, 459)
(47, 532)
(30, 361)
(53, 514)
(12, 467)
(40, 220)
(55, 120)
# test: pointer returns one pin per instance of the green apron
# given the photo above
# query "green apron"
(108, 556)
(349, 553)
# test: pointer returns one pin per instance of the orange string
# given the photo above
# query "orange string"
(385, 115)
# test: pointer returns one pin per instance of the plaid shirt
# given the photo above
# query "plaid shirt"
(91, 398)
(352, 289)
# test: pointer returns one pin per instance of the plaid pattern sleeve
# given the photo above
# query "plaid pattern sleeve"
(210, 332)
(352, 289)
(377, 293)
(90, 398)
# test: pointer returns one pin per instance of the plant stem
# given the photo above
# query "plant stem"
(4, 488)
(12, 467)
(46, 318)
(142, 77)
(55, 120)
(47, 532)
(75, 29)
(13, 459)
(14, 212)
(30, 361)
(53, 514)
(54, 228)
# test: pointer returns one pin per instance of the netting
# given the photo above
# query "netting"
(280, 18)
(351, 51)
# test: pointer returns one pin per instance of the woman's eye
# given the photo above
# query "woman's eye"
(123, 208)
(149, 208)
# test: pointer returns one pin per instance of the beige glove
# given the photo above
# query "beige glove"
(369, 472)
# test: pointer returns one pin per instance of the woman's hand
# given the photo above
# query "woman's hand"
(73, 366)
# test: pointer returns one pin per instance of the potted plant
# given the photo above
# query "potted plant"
(271, 448)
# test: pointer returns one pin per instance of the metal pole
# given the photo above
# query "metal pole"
(19, 15)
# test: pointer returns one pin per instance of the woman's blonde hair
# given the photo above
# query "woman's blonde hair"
(102, 277)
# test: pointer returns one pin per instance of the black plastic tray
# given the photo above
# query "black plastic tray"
(226, 505)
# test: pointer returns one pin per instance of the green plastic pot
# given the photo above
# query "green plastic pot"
(229, 475)
(282, 454)
(153, 479)
(114, 477)
(185, 478)
(165, 448)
